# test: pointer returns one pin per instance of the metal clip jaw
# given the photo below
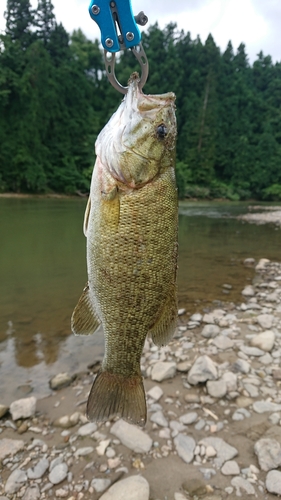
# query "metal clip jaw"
(110, 68)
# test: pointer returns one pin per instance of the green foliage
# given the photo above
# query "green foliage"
(55, 98)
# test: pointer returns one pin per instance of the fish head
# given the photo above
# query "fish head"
(138, 142)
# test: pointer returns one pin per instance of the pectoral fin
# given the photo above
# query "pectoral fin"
(163, 329)
(84, 320)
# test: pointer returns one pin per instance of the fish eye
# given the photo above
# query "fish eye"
(161, 131)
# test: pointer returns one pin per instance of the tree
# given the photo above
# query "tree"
(19, 21)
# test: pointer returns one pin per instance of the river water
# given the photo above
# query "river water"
(43, 272)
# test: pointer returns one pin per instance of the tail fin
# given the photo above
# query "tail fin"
(115, 395)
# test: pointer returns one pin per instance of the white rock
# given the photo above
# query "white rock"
(133, 488)
(100, 484)
(23, 408)
(265, 320)
(131, 436)
(155, 393)
(264, 406)
(231, 381)
(242, 484)
(223, 342)
(159, 419)
(15, 481)
(87, 429)
(224, 451)
(273, 482)
(217, 388)
(202, 370)
(210, 452)
(58, 473)
(196, 317)
(251, 351)
(264, 340)
(210, 331)
(10, 447)
(163, 370)
(102, 447)
(268, 452)
(230, 468)
(266, 359)
(185, 446)
(262, 264)
(177, 496)
(189, 418)
(181, 311)
(252, 390)
(248, 291)
(81, 452)
(39, 469)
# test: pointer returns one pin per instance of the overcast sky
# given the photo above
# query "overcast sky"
(257, 23)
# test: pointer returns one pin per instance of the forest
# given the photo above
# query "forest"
(55, 98)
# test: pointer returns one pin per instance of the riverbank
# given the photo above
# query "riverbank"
(268, 215)
(214, 413)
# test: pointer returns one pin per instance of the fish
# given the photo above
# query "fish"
(131, 226)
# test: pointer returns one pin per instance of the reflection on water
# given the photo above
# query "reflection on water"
(43, 271)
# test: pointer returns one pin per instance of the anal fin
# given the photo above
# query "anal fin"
(164, 328)
(84, 320)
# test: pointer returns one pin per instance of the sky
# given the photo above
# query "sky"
(256, 23)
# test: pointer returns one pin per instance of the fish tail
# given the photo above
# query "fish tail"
(115, 395)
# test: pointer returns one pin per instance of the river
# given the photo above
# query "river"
(43, 271)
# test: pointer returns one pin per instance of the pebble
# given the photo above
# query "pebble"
(132, 436)
(264, 406)
(223, 342)
(58, 473)
(210, 331)
(81, 452)
(10, 447)
(159, 419)
(210, 452)
(251, 351)
(155, 393)
(217, 388)
(177, 496)
(262, 264)
(224, 451)
(101, 448)
(3, 410)
(264, 340)
(265, 320)
(87, 429)
(230, 380)
(185, 446)
(163, 370)
(241, 366)
(39, 469)
(61, 380)
(183, 367)
(189, 418)
(268, 452)
(273, 482)
(31, 493)
(23, 408)
(248, 291)
(133, 488)
(242, 484)
(202, 370)
(100, 484)
(15, 481)
(230, 468)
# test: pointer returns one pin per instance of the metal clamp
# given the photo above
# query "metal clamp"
(110, 68)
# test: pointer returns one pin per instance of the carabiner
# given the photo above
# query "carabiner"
(140, 54)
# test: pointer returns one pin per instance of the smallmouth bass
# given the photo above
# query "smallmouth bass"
(130, 223)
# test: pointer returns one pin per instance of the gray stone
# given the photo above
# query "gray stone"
(58, 473)
(23, 408)
(230, 468)
(133, 488)
(248, 291)
(264, 340)
(15, 481)
(216, 388)
(262, 264)
(61, 380)
(252, 390)
(231, 381)
(155, 393)
(202, 370)
(223, 342)
(224, 451)
(241, 366)
(32, 493)
(264, 406)
(210, 331)
(266, 359)
(250, 261)
(273, 482)
(163, 370)
(3, 410)
(87, 429)
(100, 484)
(265, 320)
(39, 469)
(189, 418)
(185, 446)
(251, 351)
(10, 447)
(242, 484)
(159, 419)
(196, 317)
(183, 367)
(240, 414)
(55, 462)
(268, 452)
(86, 450)
(131, 436)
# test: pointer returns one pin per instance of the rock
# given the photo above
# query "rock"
(15, 481)
(159, 419)
(223, 342)
(249, 261)
(266, 359)
(63, 422)
(195, 487)
(243, 401)
(210, 331)
(177, 496)
(248, 291)
(87, 429)
(39, 469)
(10, 447)
(61, 493)
(240, 414)
(210, 452)
(196, 317)
(224, 451)
(75, 417)
(61, 380)
(268, 452)
(216, 388)
(58, 473)
(242, 484)
(202, 370)
(230, 380)
(252, 390)
(264, 340)
(185, 446)
(131, 436)
(100, 484)
(265, 320)
(81, 452)
(163, 370)
(23, 408)
(155, 393)
(181, 311)
(262, 264)
(251, 351)
(133, 488)
(264, 406)
(32, 493)
(101, 448)
(3, 410)
(189, 418)
(273, 482)
(192, 398)
(230, 468)
(241, 366)
(183, 367)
